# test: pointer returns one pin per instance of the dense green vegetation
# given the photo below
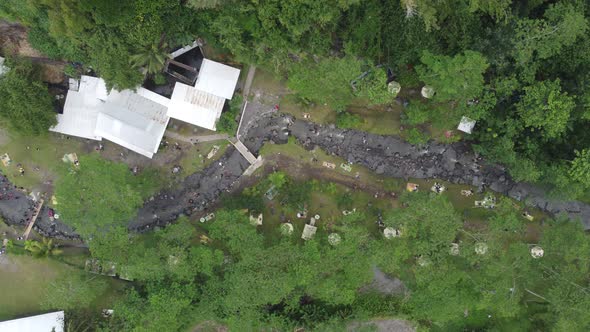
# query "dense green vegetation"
(245, 277)
(26, 102)
(99, 195)
(519, 68)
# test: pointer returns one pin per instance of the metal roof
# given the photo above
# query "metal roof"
(217, 79)
(81, 108)
(53, 321)
(195, 106)
(133, 121)
(136, 120)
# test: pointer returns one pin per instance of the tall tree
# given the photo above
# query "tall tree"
(25, 101)
(545, 107)
(457, 78)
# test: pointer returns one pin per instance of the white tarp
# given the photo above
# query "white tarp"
(51, 322)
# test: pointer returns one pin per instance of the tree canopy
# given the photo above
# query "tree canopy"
(25, 101)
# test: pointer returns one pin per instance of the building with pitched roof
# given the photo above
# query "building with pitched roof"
(138, 119)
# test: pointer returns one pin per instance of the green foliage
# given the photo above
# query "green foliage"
(99, 195)
(151, 58)
(74, 291)
(227, 122)
(374, 87)
(416, 137)
(536, 39)
(327, 81)
(44, 248)
(25, 101)
(159, 79)
(200, 4)
(457, 78)
(166, 308)
(416, 113)
(429, 223)
(545, 107)
(278, 179)
(348, 120)
(580, 168)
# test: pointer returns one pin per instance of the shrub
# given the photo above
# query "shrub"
(348, 120)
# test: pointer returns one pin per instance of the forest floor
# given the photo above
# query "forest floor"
(14, 41)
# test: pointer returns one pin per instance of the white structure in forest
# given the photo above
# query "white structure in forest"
(3, 68)
(138, 119)
(466, 125)
(50, 322)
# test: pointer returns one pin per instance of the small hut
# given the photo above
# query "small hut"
(454, 250)
(309, 230)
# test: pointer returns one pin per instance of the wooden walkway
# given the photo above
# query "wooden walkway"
(33, 219)
(243, 150)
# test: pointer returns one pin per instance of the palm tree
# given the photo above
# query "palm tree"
(151, 58)
(44, 248)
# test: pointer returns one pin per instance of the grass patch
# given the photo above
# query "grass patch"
(44, 152)
(24, 279)
(197, 161)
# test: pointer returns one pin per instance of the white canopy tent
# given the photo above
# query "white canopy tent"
(50, 322)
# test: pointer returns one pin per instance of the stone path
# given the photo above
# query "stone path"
(196, 138)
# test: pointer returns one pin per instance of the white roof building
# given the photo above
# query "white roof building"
(132, 121)
(53, 321)
(217, 79)
(202, 104)
(138, 119)
(135, 120)
(195, 106)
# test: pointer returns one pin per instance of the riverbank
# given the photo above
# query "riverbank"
(385, 155)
